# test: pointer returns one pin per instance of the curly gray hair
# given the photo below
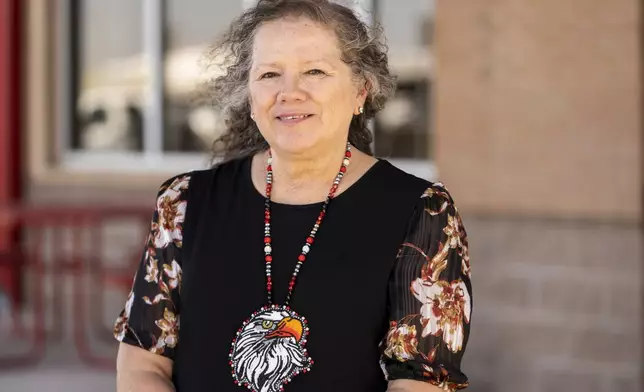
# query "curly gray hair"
(361, 48)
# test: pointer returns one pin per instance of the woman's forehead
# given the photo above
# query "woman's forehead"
(297, 38)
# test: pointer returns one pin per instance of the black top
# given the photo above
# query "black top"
(385, 290)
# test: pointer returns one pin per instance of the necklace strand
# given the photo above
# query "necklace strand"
(308, 244)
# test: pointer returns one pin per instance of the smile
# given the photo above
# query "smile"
(293, 118)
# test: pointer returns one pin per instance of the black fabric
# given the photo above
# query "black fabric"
(341, 290)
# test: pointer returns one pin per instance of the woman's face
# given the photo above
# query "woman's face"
(303, 96)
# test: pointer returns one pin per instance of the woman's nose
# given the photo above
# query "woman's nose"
(291, 90)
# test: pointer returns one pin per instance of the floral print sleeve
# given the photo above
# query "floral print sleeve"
(150, 318)
(430, 297)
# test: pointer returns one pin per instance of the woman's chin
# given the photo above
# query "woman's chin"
(294, 144)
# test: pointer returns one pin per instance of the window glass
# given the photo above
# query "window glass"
(111, 75)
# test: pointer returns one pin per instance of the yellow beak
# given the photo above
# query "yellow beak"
(288, 327)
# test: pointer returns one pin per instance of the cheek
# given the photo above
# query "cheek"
(262, 97)
(336, 94)
(336, 103)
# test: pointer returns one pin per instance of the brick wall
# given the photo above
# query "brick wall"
(557, 306)
(538, 137)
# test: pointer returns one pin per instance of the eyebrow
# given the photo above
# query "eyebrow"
(274, 64)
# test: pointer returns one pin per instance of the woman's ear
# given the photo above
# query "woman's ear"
(363, 92)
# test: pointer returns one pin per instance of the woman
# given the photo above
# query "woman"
(299, 262)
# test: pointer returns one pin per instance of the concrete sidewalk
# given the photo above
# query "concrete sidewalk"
(64, 379)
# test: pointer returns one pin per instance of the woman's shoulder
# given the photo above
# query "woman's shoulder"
(228, 170)
(423, 191)
(401, 179)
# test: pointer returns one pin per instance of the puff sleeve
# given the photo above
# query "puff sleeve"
(150, 318)
(430, 297)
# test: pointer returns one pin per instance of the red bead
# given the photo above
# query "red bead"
(322, 214)
(267, 240)
(269, 168)
(301, 258)
(348, 154)
(268, 258)
(343, 169)
(309, 240)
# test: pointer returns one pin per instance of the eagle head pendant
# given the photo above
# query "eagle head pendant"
(269, 349)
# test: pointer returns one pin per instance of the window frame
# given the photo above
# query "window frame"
(153, 159)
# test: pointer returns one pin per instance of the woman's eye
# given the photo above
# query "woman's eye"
(267, 324)
(268, 75)
(316, 72)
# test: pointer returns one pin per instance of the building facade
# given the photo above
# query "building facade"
(529, 111)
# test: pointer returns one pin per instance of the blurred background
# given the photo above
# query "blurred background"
(529, 111)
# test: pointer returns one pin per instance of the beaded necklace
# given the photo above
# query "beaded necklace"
(269, 348)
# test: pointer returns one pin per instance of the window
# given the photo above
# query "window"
(132, 69)
(403, 129)
(133, 73)
(110, 96)
(191, 26)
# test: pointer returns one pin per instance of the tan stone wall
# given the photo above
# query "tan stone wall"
(539, 139)
(557, 306)
(537, 106)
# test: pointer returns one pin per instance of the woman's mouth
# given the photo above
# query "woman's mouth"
(293, 118)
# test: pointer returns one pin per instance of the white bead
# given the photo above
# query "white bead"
(345, 162)
(267, 249)
(305, 249)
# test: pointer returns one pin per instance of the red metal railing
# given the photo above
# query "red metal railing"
(59, 244)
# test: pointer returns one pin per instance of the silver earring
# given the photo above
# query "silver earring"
(361, 110)
(252, 116)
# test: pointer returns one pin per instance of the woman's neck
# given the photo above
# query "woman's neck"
(306, 179)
